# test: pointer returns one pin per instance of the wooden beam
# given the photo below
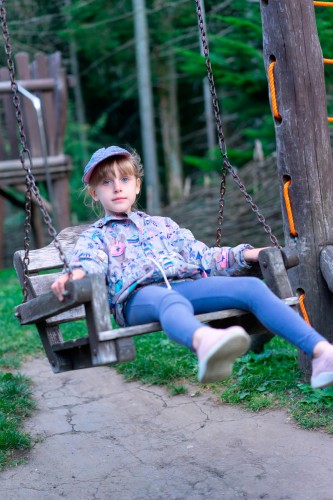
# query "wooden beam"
(38, 84)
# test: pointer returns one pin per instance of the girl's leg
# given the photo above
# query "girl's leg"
(216, 349)
(250, 294)
(171, 309)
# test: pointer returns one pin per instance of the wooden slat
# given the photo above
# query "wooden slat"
(9, 131)
(29, 113)
(41, 70)
(48, 257)
(60, 98)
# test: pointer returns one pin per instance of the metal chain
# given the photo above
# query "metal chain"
(226, 166)
(31, 187)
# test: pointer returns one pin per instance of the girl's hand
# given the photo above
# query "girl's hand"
(58, 286)
(252, 254)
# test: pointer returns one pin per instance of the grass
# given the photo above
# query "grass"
(15, 396)
(267, 380)
(15, 405)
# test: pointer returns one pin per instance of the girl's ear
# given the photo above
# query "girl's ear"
(92, 193)
(138, 186)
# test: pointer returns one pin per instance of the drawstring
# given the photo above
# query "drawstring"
(157, 264)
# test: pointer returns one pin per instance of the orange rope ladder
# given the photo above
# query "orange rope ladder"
(326, 61)
(323, 4)
(272, 90)
(288, 208)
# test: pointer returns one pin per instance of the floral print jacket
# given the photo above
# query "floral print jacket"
(130, 251)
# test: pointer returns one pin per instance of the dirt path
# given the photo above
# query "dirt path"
(102, 438)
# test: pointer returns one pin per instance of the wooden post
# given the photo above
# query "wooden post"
(304, 153)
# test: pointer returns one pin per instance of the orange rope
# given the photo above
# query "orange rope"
(323, 4)
(329, 61)
(272, 90)
(303, 309)
(288, 208)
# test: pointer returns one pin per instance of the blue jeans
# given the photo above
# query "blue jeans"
(175, 308)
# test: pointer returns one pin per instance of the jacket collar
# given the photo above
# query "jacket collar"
(136, 217)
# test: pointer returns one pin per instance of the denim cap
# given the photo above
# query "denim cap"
(99, 156)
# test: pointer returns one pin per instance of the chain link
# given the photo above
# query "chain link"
(31, 187)
(226, 166)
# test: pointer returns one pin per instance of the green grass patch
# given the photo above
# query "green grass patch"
(16, 342)
(159, 361)
(15, 404)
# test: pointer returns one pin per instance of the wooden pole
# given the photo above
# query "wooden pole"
(304, 153)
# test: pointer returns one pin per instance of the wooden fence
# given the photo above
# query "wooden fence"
(199, 211)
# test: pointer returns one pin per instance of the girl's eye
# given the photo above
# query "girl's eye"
(106, 182)
(125, 179)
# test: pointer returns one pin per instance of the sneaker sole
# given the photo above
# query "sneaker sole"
(218, 363)
(322, 380)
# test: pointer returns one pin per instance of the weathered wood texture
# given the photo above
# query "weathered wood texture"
(303, 146)
(46, 78)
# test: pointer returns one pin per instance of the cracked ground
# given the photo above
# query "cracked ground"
(98, 437)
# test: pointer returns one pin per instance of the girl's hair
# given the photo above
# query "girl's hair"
(127, 165)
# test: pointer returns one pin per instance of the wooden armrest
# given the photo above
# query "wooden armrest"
(46, 305)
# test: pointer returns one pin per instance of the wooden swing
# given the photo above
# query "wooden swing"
(87, 298)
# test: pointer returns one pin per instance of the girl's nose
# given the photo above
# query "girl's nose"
(117, 186)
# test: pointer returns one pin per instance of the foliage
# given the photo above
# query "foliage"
(103, 33)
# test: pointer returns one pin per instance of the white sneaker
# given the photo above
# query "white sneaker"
(216, 362)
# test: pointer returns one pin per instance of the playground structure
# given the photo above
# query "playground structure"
(305, 175)
(42, 84)
(304, 154)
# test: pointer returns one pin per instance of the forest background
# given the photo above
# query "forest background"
(98, 44)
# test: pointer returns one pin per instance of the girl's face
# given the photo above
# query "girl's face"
(116, 192)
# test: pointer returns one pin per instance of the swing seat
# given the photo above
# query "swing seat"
(87, 299)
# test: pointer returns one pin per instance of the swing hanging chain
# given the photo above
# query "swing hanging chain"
(31, 187)
(226, 167)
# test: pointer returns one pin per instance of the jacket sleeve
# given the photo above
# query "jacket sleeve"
(89, 253)
(215, 261)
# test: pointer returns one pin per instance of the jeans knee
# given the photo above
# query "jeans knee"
(174, 299)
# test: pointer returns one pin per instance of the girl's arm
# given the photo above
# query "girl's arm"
(88, 257)
(252, 254)
(232, 261)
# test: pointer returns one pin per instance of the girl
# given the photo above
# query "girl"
(156, 271)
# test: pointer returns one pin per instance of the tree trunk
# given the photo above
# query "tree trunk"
(303, 148)
(146, 106)
(170, 129)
